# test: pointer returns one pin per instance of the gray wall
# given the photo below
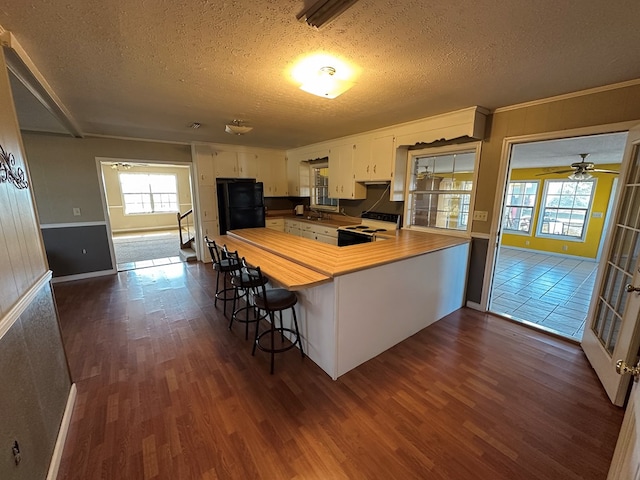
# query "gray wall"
(65, 176)
(34, 378)
(35, 385)
(77, 250)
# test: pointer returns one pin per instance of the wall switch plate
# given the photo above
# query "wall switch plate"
(76, 212)
(480, 215)
(596, 214)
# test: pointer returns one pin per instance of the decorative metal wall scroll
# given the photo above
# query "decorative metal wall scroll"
(9, 172)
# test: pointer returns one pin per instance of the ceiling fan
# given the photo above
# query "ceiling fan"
(581, 170)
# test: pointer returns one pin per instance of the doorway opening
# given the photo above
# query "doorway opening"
(554, 218)
(149, 207)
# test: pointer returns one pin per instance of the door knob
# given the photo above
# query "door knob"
(630, 288)
(622, 368)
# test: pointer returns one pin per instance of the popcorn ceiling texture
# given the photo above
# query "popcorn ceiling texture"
(150, 68)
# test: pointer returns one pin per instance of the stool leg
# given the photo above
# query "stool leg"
(298, 338)
(273, 326)
(215, 298)
(224, 286)
(233, 306)
(281, 326)
(246, 315)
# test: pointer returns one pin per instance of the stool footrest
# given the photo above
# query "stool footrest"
(278, 331)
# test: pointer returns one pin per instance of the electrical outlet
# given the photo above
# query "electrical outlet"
(480, 215)
(565, 248)
(76, 212)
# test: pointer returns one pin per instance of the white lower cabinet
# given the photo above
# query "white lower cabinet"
(275, 224)
(319, 232)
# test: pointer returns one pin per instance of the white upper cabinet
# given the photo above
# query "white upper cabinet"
(247, 165)
(373, 158)
(225, 164)
(272, 171)
(342, 182)
(383, 155)
(235, 165)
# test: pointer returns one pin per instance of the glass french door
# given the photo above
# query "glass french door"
(613, 332)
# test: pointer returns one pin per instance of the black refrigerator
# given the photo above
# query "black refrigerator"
(240, 204)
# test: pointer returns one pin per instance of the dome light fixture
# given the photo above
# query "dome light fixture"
(325, 83)
(236, 127)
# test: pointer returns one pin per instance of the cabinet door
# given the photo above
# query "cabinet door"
(362, 160)
(204, 165)
(225, 164)
(382, 158)
(247, 165)
(349, 188)
(279, 176)
(334, 170)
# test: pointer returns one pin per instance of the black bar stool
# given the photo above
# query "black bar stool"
(246, 287)
(272, 301)
(225, 266)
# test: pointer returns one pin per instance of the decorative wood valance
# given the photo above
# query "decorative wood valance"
(9, 172)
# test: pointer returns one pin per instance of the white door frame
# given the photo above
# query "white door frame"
(103, 195)
(501, 186)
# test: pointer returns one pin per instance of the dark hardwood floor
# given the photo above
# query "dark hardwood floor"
(166, 391)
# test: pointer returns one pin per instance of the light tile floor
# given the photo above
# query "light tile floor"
(551, 291)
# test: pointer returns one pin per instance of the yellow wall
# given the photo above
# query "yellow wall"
(121, 222)
(583, 248)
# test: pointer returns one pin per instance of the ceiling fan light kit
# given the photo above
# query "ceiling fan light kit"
(580, 170)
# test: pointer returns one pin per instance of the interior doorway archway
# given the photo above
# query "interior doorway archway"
(550, 230)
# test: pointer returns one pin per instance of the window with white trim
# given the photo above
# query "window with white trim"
(319, 173)
(565, 209)
(149, 193)
(441, 188)
(519, 205)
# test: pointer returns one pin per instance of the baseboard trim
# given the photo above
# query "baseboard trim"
(82, 276)
(62, 434)
(552, 254)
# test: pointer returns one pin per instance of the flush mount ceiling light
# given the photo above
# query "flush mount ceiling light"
(323, 12)
(325, 83)
(236, 127)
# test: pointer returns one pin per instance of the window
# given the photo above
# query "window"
(320, 187)
(565, 208)
(441, 189)
(149, 193)
(517, 216)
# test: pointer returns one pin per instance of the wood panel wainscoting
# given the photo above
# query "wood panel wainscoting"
(166, 391)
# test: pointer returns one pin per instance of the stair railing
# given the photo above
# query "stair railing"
(186, 229)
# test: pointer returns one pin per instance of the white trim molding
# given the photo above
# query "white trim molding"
(82, 276)
(565, 96)
(21, 305)
(71, 225)
(54, 465)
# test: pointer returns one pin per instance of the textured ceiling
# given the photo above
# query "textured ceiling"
(149, 68)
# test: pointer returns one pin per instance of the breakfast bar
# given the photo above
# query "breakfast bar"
(357, 301)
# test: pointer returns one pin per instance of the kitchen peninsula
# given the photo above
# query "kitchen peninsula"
(357, 301)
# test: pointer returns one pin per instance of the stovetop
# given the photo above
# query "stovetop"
(375, 222)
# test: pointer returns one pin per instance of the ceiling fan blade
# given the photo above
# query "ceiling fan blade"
(553, 173)
(597, 170)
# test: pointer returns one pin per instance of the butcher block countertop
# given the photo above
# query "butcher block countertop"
(298, 262)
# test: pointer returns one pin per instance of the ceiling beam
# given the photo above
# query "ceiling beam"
(26, 71)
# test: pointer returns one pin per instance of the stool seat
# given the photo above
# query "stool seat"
(226, 265)
(276, 299)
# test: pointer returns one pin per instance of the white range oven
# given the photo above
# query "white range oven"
(372, 224)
